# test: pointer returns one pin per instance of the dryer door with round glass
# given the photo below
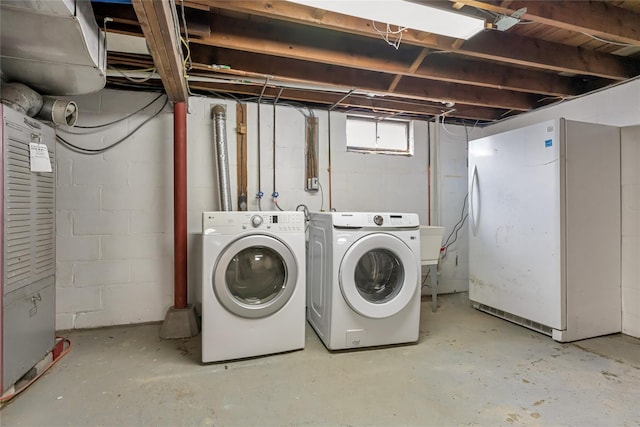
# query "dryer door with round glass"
(255, 276)
(378, 275)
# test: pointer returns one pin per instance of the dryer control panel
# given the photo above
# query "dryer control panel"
(375, 220)
(236, 222)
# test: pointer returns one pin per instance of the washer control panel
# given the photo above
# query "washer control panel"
(235, 222)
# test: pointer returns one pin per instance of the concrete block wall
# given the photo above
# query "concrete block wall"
(114, 226)
(115, 210)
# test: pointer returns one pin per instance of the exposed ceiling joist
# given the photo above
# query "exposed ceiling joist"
(366, 80)
(489, 45)
(598, 18)
(319, 56)
(158, 27)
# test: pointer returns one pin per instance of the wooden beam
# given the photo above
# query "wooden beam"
(158, 26)
(241, 149)
(412, 69)
(440, 66)
(375, 104)
(486, 45)
(323, 48)
(552, 56)
(598, 18)
(368, 81)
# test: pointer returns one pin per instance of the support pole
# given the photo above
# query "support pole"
(180, 320)
(180, 203)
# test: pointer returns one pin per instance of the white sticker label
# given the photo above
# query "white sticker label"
(39, 155)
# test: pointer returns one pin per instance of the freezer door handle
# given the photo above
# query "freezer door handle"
(472, 211)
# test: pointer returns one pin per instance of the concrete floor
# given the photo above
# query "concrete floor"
(468, 368)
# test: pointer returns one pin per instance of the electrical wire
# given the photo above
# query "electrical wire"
(456, 229)
(424, 281)
(321, 196)
(64, 352)
(609, 41)
(186, 37)
(89, 151)
(152, 72)
(389, 32)
(118, 120)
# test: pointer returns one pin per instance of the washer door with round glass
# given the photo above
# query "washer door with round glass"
(378, 275)
(255, 276)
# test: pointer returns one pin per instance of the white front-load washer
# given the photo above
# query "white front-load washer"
(253, 284)
(363, 278)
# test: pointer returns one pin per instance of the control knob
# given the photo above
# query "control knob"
(378, 219)
(256, 221)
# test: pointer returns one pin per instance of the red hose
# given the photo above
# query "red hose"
(59, 351)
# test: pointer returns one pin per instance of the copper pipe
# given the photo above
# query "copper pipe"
(180, 204)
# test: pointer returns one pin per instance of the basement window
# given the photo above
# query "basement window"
(385, 136)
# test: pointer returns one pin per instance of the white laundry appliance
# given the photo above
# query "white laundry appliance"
(363, 278)
(253, 286)
(544, 222)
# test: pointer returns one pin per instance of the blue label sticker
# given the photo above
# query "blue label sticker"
(548, 143)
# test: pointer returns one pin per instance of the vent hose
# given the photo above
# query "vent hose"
(220, 138)
(21, 98)
(58, 111)
(27, 101)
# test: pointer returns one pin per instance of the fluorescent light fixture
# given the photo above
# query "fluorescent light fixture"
(404, 14)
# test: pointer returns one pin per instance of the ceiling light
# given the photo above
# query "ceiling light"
(503, 22)
(404, 14)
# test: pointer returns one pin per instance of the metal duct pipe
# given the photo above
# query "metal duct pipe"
(21, 98)
(58, 111)
(220, 138)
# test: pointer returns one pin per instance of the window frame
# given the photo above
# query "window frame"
(409, 151)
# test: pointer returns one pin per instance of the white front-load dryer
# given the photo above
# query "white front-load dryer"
(363, 278)
(253, 284)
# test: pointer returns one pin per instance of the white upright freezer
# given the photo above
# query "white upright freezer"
(544, 222)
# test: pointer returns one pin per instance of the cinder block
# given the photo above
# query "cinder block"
(96, 172)
(101, 223)
(159, 271)
(65, 321)
(77, 198)
(64, 177)
(77, 248)
(64, 274)
(101, 272)
(130, 198)
(125, 304)
(72, 300)
(64, 223)
(123, 102)
(151, 222)
(148, 145)
(143, 175)
(151, 246)
(87, 104)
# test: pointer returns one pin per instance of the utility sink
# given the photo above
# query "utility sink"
(430, 243)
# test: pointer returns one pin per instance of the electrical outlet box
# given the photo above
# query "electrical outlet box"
(313, 184)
